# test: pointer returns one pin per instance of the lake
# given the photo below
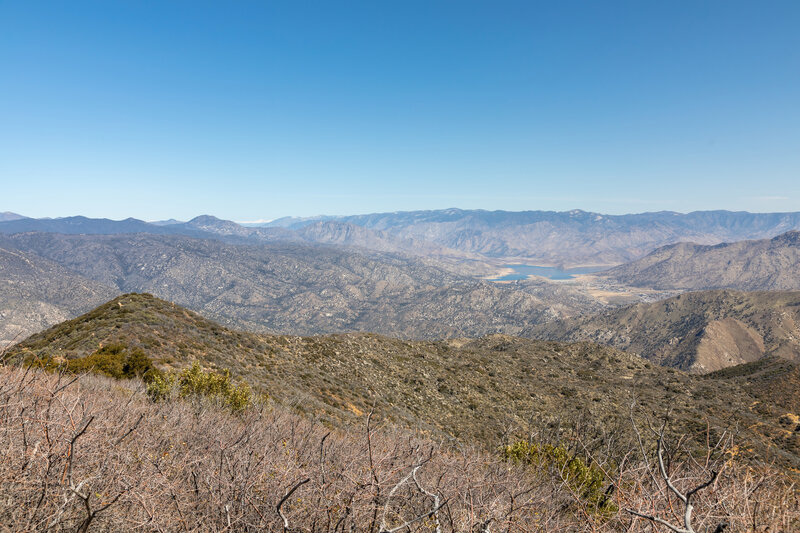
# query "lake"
(523, 271)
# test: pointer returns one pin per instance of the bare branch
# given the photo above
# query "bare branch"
(685, 498)
(286, 497)
(131, 430)
(436, 500)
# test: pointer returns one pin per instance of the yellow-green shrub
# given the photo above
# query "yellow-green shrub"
(196, 382)
(161, 386)
(586, 480)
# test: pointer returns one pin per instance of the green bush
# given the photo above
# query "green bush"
(139, 365)
(114, 360)
(586, 480)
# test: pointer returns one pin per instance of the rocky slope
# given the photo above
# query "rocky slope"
(36, 293)
(767, 264)
(697, 331)
(471, 389)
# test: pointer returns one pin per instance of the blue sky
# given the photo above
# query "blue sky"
(255, 110)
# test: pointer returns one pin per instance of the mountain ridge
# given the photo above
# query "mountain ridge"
(765, 264)
(571, 238)
(593, 238)
(696, 331)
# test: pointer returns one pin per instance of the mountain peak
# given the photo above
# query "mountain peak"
(219, 226)
(7, 216)
(207, 219)
(134, 319)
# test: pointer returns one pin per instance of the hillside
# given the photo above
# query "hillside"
(767, 264)
(473, 389)
(344, 234)
(36, 293)
(572, 237)
(298, 288)
(697, 331)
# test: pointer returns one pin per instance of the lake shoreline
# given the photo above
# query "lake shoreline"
(520, 272)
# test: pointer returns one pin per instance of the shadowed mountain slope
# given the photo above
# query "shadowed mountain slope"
(768, 264)
(697, 331)
(472, 389)
(771, 380)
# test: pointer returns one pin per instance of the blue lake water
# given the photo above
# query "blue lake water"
(523, 271)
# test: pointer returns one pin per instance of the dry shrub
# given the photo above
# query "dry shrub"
(90, 453)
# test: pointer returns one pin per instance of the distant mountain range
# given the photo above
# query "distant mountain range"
(372, 273)
(8, 215)
(570, 238)
(209, 227)
(537, 237)
(767, 264)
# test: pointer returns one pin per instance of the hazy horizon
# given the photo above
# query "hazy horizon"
(338, 215)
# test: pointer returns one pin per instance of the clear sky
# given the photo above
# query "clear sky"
(254, 110)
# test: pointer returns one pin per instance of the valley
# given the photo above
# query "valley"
(299, 288)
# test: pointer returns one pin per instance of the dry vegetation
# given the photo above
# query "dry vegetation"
(88, 452)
